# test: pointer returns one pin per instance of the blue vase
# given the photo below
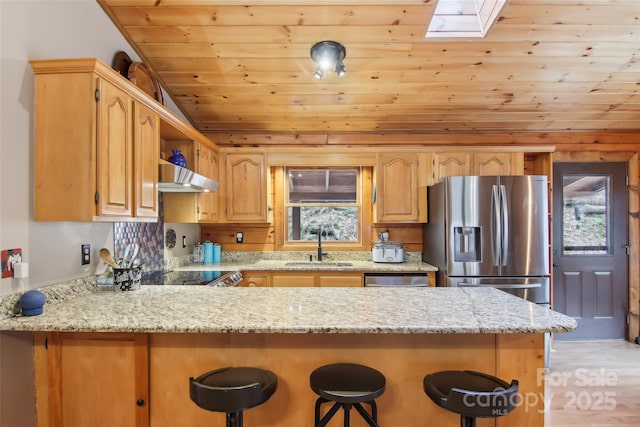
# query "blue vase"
(178, 159)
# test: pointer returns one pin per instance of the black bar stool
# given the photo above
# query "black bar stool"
(232, 390)
(348, 385)
(471, 394)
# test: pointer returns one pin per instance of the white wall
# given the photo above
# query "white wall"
(31, 29)
(38, 30)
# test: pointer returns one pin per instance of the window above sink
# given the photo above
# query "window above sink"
(323, 200)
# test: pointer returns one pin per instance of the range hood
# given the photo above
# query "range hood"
(176, 179)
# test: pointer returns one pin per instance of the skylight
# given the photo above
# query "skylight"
(463, 18)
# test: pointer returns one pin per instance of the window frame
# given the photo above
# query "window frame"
(356, 204)
(364, 182)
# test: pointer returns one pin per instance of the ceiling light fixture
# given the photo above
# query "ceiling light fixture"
(328, 55)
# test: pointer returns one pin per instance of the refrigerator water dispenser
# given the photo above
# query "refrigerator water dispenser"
(466, 244)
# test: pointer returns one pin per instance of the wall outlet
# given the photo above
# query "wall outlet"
(86, 254)
(239, 237)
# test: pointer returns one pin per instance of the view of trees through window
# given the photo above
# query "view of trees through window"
(586, 213)
(323, 201)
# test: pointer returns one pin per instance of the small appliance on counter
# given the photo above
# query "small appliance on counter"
(387, 251)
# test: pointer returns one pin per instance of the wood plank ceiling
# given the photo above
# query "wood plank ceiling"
(244, 66)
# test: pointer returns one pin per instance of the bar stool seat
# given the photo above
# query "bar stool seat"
(348, 385)
(471, 394)
(232, 390)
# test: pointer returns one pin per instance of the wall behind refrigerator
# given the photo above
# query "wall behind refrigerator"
(39, 30)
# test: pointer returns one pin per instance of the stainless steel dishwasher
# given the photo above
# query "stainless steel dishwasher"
(411, 280)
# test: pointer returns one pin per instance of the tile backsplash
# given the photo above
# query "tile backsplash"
(150, 237)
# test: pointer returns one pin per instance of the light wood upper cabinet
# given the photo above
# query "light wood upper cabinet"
(400, 181)
(478, 163)
(208, 166)
(194, 207)
(92, 379)
(146, 149)
(498, 164)
(115, 151)
(128, 151)
(96, 146)
(452, 164)
(244, 189)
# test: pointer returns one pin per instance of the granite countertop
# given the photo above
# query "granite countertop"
(203, 309)
(296, 265)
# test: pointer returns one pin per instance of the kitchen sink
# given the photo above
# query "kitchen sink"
(318, 263)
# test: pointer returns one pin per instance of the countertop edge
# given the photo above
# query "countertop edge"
(277, 265)
(296, 311)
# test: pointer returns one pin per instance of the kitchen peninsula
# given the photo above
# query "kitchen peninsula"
(136, 350)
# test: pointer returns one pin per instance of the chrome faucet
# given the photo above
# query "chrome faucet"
(320, 253)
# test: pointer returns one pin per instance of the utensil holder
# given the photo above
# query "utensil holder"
(127, 279)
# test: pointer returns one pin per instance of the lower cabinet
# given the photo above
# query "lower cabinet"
(294, 280)
(311, 279)
(254, 279)
(339, 280)
(92, 379)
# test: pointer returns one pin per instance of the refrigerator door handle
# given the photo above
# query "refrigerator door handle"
(502, 285)
(496, 234)
(505, 226)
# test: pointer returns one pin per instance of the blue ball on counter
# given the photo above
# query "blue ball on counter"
(32, 303)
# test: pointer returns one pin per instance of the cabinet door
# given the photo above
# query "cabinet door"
(98, 380)
(293, 279)
(452, 164)
(340, 280)
(498, 164)
(207, 202)
(114, 152)
(246, 188)
(396, 197)
(254, 279)
(147, 152)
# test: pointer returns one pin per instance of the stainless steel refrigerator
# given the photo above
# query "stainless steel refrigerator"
(490, 231)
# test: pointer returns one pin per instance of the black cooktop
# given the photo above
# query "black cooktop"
(181, 277)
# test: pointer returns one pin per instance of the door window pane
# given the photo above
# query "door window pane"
(586, 212)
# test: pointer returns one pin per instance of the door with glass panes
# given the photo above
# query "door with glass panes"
(590, 281)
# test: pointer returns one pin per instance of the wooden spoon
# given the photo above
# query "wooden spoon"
(105, 255)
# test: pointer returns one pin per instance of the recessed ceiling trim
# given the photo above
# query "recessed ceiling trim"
(463, 18)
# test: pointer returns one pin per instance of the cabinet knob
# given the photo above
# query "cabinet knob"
(140, 402)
